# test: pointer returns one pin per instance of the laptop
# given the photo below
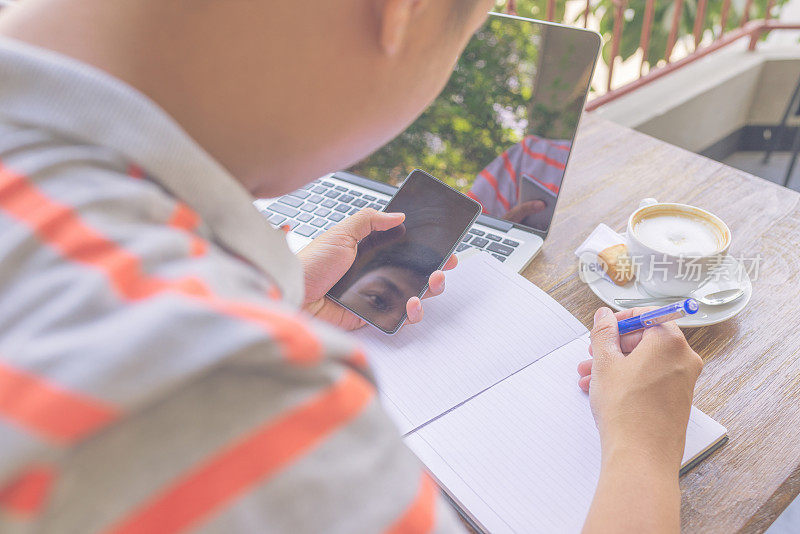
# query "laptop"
(501, 132)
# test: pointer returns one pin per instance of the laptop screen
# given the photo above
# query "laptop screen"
(502, 129)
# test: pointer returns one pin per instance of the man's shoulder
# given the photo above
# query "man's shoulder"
(92, 207)
(99, 265)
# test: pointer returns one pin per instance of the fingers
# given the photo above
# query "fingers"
(367, 221)
(518, 213)
(585, 372)
(584, 382)
(585, 367)
(435, 285)
(414, 310)
(435, 288)
(534, 206)
(437, 278)
(628, 342)
(605, 338)
(632, 312)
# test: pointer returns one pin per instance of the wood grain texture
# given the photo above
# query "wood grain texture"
(751, 379)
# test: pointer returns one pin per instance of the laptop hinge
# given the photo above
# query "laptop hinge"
(366, 182)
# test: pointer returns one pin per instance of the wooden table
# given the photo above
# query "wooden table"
(751, 379)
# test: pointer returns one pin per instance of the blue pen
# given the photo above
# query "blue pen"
(661, 315)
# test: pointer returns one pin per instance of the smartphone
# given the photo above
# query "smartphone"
(393, 266)
(531, 189)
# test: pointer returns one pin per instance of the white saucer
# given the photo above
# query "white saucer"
(607, 291)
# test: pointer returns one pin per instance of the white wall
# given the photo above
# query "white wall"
(705, 101)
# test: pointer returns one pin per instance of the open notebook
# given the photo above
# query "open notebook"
(485, 393)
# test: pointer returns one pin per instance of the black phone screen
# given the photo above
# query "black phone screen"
(393, 266)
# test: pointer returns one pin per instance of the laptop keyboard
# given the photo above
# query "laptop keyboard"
(316, 207)
(496, 245)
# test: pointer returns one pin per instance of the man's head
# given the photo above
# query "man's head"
(278, 92)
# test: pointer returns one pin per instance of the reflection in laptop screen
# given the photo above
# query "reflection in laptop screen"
(502, 129)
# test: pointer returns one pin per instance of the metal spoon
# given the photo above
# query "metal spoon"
(717, 298)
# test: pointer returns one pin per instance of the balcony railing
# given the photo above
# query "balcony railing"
(752, 31)
(720, 36)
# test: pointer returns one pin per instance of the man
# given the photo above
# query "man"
(160, 368)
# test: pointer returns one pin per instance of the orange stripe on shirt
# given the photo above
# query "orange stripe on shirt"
(273, 293)
(420, 515)
(301, 345)
(251, 461)
(509, 167)
(184, 218)
(60, 227)
(198, 246)
(48, 410)
(27, 493)
(552, 187)
(557, 145)
(493, 182)
(187, 220)
(358, 359)
(542, 157)
(134, 171)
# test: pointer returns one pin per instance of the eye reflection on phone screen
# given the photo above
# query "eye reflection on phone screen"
(390, 275)
(394, 266)
(391, 270)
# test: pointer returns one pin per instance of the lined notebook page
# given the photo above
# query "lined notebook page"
(524, 456)
(490, 323)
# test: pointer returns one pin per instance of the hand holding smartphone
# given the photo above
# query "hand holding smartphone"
(394, 266)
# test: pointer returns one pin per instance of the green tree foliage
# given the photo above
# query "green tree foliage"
(451, 139)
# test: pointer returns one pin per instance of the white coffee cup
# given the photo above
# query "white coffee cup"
(675, 247)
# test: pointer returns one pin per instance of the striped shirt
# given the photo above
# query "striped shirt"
(496, 187)
(156, 373)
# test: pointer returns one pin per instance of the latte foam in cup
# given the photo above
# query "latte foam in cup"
(678, 234)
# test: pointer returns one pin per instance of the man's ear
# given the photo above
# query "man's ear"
(395, 17)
